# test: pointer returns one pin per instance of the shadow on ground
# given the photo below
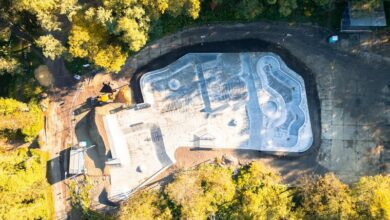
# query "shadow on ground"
(291, 168)
(61, 163)
(84, 128)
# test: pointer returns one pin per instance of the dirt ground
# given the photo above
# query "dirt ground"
(63, 130)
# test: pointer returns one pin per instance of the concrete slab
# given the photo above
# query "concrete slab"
(326, 131)
(337, 116)
(349, 132)
(337, 132)
(208, 100)
(214, 84)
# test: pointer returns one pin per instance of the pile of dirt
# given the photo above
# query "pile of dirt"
(124, 96)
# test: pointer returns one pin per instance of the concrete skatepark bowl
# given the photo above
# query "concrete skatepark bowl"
(211, 100)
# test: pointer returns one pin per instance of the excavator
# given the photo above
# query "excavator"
(107, 95)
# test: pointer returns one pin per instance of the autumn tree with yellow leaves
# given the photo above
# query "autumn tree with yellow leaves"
(198, 193)
(20, 117)
(105, 34)
(261, 194)
(106, 31)
(326, 197)
(372, 197)
(256, 191)
(145, 205)
(24, 191)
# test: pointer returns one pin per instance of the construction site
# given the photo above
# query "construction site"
(139, 136)
(246, 101)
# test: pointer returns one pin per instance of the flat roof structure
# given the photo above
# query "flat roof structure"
(360, 17)
(211, 100)
(76, 161)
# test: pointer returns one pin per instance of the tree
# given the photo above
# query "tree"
(8, 65)
(147, 205)
(325, 197)
(51, 47)
(209, 191)
(80, 200)
(24, 192)
(133, 34)
(261, 195)
(103, 32)
(25, 21)
(326, 4)
(8, 62)
(286, 7)
(89, 39)
(80, 194)
(111, 58)
(47, 11)
(371, 195)
(199, 192)
(189, 7)
(17, 116)
(249, 9)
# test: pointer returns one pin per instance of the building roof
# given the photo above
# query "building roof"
(358, 17)
(76, 161)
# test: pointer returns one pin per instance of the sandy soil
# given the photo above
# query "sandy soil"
(64, 130)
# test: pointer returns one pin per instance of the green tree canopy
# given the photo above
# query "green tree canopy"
(102, 30)
(250, 9)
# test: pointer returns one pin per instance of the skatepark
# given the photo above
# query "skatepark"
(249, 101)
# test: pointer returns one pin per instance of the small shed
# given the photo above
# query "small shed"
(76, 161)
(363, 16)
